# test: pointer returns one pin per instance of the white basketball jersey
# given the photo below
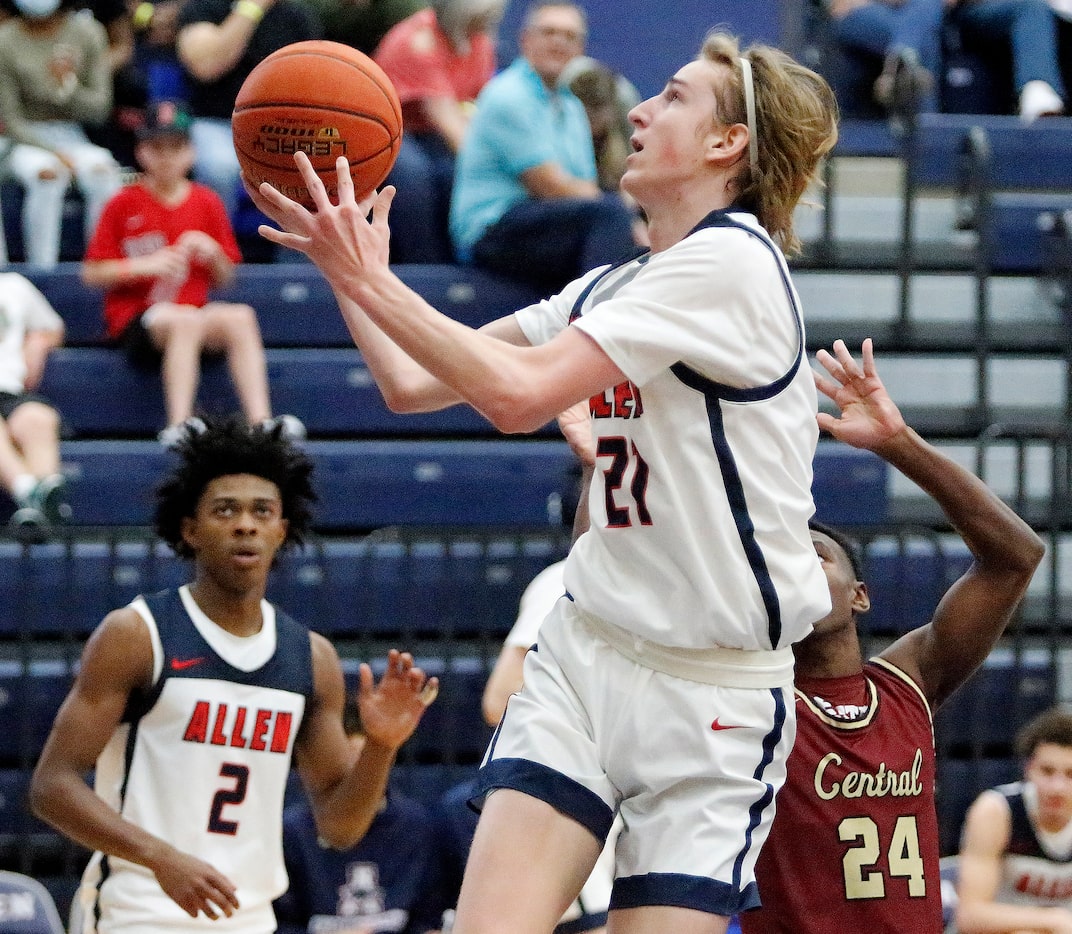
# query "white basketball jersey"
(699, 510)
(202, 762)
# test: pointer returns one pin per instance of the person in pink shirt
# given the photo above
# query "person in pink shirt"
(438, 60)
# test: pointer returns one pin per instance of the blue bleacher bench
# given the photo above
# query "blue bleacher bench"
(959, 783)
(1008, 690)
(361, 484)
(906, 579)
(329, 389)
(371, 484)
(455, 584)
(294, 305)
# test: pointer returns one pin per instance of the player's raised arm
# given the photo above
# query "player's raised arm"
(345, 792)
(977, 608)
(518, 388)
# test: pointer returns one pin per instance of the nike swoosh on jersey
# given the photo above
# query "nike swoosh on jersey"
(716, 726)
(181, 664)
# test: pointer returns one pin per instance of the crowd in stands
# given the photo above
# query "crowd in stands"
(514, 170)
(77, 76)
(892, 55)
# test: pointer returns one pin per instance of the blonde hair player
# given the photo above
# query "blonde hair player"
(661, 687)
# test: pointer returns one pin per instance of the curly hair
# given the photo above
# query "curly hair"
(227, 447)
(1053, 726)
(796, 125)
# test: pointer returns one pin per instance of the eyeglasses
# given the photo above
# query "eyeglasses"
(554, 32)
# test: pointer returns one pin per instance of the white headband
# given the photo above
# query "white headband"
(750, 113)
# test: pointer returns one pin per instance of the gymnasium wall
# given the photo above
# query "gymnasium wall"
(648, 41)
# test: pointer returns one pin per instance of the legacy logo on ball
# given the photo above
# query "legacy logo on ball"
(316, 142)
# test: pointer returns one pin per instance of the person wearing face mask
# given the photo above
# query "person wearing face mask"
(55, 77)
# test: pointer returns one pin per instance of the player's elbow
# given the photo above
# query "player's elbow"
(41, 794)
(512, 423)
(339, 836)
(404, 398)
(516, 413)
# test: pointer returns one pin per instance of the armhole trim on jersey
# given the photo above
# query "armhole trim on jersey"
(893, 669)
(141, 607)
(643, 256)
(695, 380)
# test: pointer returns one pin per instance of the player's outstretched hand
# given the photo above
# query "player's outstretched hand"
(339, 238)
(194, 885)
(391, 709)
(869, 417)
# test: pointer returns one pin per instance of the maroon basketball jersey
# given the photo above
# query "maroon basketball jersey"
(854, 847)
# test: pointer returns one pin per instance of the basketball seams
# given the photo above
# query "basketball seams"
(306, 96)
(376, 78)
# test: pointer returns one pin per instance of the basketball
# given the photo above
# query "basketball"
(327, 100)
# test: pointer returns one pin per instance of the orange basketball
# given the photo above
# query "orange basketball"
(325, 99)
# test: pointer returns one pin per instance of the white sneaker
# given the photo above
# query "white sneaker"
(290, 427)
(1038, 99)
(172, 436)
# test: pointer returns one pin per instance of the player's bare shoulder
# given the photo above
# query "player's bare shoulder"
(120, 650)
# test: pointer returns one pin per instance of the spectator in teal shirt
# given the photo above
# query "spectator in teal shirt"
(526, 199)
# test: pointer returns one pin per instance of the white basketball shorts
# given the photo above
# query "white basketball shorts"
(693, 767)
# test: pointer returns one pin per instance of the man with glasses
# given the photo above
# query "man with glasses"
(526, 199)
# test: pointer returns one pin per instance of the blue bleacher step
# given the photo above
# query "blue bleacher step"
(294, 305)
(329, 389)
(462, 584)
(472, 483)
(361, 484)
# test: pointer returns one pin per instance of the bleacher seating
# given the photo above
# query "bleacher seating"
(295, 306)
(429, 526)
(362, 485)
(906, 577)
(1010, 688)
(366, 485)
(959, 783)
(457, 584)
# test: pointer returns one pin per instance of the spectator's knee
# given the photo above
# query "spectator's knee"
(239, 321)
(34, 418)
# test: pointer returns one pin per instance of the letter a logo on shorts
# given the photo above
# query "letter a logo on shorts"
(716, 726)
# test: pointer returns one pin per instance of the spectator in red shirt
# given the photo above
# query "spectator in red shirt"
(161, 244)
(438, 60)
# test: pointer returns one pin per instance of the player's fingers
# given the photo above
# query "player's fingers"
(848, 364)
(416, 678)
(274, 203)
(346, 182)
(293, 241)
(826, 421)
(380, 204)
(825, 386)
(318, 194)
(829, 363)
(429, 692)
(867, 351)
(364, 680)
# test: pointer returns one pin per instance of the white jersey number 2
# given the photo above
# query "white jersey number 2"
(236, 794)
(619, 449)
